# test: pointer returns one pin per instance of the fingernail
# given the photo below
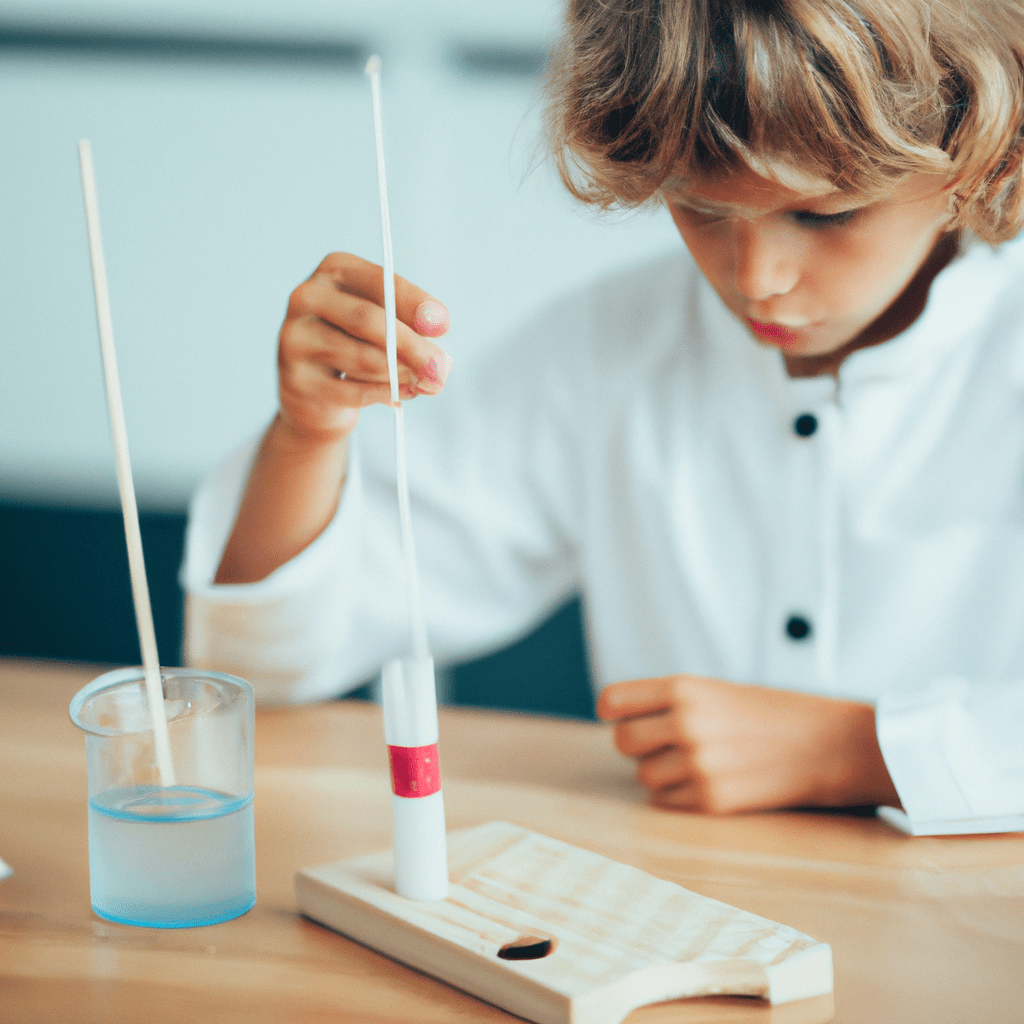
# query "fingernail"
(431, 318)
(435, 373)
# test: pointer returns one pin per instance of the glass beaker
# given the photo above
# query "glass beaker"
(178, 856)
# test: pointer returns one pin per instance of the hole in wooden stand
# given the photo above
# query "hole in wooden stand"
(526, 947)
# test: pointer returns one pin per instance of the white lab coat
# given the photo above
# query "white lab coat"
(635, 445)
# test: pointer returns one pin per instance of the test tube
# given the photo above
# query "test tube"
(417, 804)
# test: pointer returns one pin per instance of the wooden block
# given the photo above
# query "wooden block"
(618, 938)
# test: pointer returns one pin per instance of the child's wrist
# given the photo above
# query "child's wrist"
(859, 775)
(300, 440)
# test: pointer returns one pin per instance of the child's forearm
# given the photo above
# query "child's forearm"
(292, 494)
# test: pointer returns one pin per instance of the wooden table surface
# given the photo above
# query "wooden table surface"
(927, 930)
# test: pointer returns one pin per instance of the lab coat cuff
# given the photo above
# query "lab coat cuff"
(948, 759)
(910, 728)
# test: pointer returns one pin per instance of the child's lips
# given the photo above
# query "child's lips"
(777, 333)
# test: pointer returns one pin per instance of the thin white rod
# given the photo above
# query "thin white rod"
(391, 326)
(129, 509)
(416, 619)
(420, 647)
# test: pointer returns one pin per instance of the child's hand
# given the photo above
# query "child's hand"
(332, 358)
(331, 361)
(717, 747)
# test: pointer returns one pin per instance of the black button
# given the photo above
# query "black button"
(798, 627)
(805, 424)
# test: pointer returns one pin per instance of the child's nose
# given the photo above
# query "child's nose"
(765, 265)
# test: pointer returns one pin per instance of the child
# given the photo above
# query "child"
(783, 469)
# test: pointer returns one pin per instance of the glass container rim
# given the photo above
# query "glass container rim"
(136, 673)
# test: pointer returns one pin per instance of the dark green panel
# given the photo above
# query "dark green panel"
(65, 594)
(546, 673)
(65, 591)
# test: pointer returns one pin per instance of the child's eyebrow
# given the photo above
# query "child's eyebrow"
(710, 206)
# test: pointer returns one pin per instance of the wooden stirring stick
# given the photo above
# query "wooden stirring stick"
(136, 563)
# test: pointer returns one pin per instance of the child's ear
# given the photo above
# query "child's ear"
(954, 202)
(955, 207)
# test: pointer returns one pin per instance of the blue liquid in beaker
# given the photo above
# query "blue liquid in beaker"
(175, 857)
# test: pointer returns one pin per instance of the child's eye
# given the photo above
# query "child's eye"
(823, 220)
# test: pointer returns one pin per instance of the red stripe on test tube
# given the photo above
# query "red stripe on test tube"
(415, 771)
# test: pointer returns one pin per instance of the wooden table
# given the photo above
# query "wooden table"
(922, 930)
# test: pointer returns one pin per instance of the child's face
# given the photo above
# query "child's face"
(813, 272)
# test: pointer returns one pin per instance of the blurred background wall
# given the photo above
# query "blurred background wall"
(233, 144)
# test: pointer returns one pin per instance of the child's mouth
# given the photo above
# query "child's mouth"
(776, 333)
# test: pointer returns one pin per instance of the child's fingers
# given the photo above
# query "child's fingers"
(364, 320)
(321, 390)
(665, 769)
(638, 697)
(312, 404)
(644, 734)
(431, 319)
(348, 358)
(360, 394)
(687, 796)
(413, 306)
(673, 780)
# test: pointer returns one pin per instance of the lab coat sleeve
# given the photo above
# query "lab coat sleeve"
(284, 633)
(955, 752)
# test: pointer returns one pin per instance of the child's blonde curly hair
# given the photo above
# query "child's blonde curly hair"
(857, 92)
